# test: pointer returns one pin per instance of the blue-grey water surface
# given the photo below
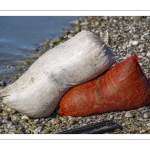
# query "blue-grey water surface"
(19, 34)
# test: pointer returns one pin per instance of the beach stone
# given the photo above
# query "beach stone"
(145, 116)
(36, 121)
(128, 114)
(136, 36)
(24, 117)
(38, 130)
(88, 120)
(57, 40)
(84, 23)
(111, 116)
(134, 43)
(148, 54)
(15, 118)
(45, 131)
(11, 110)
(72, 122)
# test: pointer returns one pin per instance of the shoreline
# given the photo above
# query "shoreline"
(128, 34)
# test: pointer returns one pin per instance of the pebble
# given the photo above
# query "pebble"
(25, 117)
(15, 118)
(148, 54)
(136, 36)
(128, 114)
(145, 116)
(38, 130)
(11, 110)
(72, 122)
(84, 23)
(45, 131)
(111, 116)
(134, 43)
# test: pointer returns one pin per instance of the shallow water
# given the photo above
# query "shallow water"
(20, 34)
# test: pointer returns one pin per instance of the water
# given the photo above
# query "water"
(19, 34)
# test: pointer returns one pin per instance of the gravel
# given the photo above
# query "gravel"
(128, 35)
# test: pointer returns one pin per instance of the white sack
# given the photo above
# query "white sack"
(38, 91)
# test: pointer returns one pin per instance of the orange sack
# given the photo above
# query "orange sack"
(122, 87)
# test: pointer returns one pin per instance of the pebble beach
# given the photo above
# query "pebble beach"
(128, 34)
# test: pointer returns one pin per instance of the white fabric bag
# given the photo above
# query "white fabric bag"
(38, 91)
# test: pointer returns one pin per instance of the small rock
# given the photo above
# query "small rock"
(148, 54)
(97, 23)
(77, 28)
(88, 120)
(31, 129)
(15, 118)
(111, 116)
(38, 130)
(143, 131)
(128, 114)
(57, 40)
(52, 121)
(123, 124)
(9, 124)
(25, 117)
(45, 131)
(134, 43)
(135, 37)
(11, 110)
(145, 116)
(72, 122)
(84, 23)
(36, 121)
(70, 36)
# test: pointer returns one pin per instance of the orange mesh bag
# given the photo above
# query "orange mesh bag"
(123, 87)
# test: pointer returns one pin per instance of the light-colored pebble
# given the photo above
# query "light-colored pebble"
(145, 116)
(128, 114)
(148, 54)
(134, 43)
